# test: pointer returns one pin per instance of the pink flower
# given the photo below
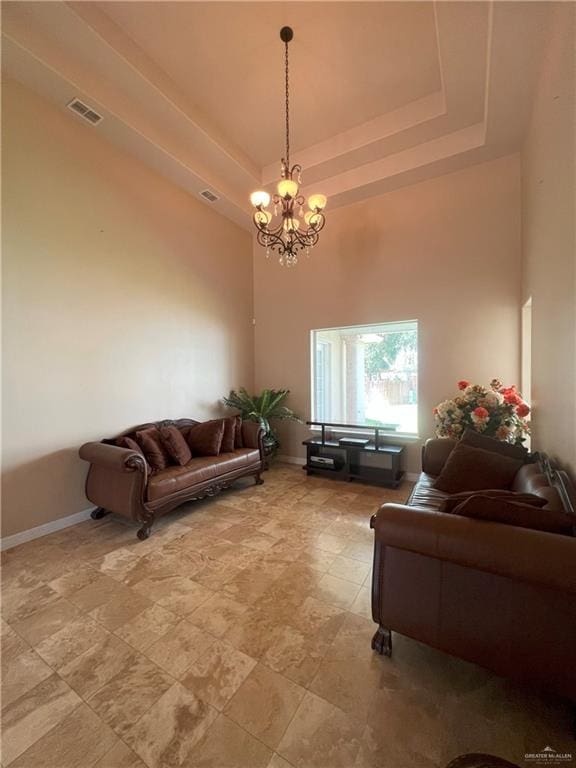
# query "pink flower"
(481, 413)
(434, 411)
(463, 384)
(522, 410)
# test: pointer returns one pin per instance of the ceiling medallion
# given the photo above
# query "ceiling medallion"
(289, 235)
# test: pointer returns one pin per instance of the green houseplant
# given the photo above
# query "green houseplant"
(262, 408)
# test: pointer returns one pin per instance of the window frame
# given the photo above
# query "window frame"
(399, 326)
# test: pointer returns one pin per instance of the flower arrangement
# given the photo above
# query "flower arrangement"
(496, 411)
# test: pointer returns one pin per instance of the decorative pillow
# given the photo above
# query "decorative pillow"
(473, 469)
(449, 504)
(238, 442)
(477, 440)
(176, 445)
(150, 442)
(229, 436)
(127, 442)
(500, 510)
(205, 439)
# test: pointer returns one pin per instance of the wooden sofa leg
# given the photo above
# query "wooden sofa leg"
(258, 480)
(147, 522)
(99, 513)
(382, 641)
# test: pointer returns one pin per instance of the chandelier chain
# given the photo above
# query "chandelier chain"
(287, 109)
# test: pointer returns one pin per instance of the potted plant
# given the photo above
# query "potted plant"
(262, 408)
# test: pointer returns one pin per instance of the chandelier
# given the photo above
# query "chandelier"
(284, 232)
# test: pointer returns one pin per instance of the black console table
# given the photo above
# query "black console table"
(346, 458)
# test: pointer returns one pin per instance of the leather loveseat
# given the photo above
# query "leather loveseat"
(498, 595)
(119, 479)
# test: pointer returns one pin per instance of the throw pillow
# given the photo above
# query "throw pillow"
(176, 445)
(478, 440)
(205, 439)
(511, 513)
(449, 504)
(127, 442)
(150, 442)
(229, 436)
(238, 442)
(473, 469)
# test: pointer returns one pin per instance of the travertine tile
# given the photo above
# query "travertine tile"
(349, 569)
(118, 563)
(21, 674)
(12, 645)
(218, 614)
(362, 605)
(215, 574)
(79, 740)
(315, 617)
(257, 630)
(249, 584)
(45, 622)
(34, 714)
(88, 672)
(336, 591)
(74, 638)
(130, 693)
(165, 736)
(363, 551)
(120, 609)
(179, 647)
(99, 591)
(149, 626)
(316, 558)
(23, 596)
(120, 756)
(264, 704)
(73, 581)
(320, 735)
(278, 761)
(226, 745)
(178, 594)
(353, 638)
(218, 673)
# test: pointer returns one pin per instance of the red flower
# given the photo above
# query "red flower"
(522, 410)
(481, 413)
(463, 384)
(512, 397)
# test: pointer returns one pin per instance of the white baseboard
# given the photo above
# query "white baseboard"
(43, 530)
(411, 476)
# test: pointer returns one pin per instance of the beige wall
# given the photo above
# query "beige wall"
(445, 252)
(124, 300)
(549, 242)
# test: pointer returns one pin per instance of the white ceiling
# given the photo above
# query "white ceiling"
(383, 94)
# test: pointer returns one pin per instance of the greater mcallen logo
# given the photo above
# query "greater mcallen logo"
(548, 756)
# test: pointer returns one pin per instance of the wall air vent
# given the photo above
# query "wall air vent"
(85, 112)
(208, 195)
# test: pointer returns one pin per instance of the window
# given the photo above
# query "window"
(367, 374)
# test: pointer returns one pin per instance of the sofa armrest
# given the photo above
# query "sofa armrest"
(435, 451)
(536, 557)
(252, 435)
(113, 457)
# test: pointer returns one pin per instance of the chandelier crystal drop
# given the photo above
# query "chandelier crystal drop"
(288, 229)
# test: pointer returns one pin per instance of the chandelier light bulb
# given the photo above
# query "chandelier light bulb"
(287, 188)
(263, 218)
(260, 198)
(312, 218)
(317, 202)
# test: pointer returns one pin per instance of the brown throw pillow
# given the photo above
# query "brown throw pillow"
(205, 439)
(229, 436)
(150, 442)
(450, 504)
(473, 469)
(521, 515)
(477, 440)
(176, 445)
(238, 442)
(127, 442)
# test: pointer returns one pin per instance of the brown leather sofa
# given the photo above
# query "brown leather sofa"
(120, 481)
(501, 596)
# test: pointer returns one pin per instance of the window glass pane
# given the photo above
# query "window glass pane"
(367, 375)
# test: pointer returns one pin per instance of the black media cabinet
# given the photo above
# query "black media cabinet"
(348, 458)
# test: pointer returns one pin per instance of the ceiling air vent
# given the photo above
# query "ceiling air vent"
(86, 112)
(210, 196)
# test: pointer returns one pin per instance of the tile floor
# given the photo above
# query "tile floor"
(237, 636)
